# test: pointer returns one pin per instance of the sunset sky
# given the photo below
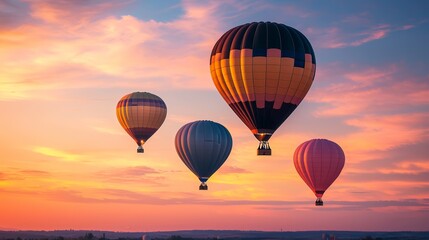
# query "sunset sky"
(66, 163)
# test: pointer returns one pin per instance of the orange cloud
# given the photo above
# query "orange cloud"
(136, 174)
(58, 154)
(64, 12)
(370, 91)
(90, 50)
(378, 104)
(232, 170)
(385, 132)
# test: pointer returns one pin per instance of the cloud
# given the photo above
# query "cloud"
(406, 27)
(406, 162)
(139, 170)
(378, 176)
(36, 173)
(10, 176)
(343, 36)
(64, 12)
(402, 171)
(372, 90)
(416, 152)
(23, 174)
(416, 205)
(137, 174)
(107, 130)
(232, 170)
(113, 195)
(12, 14)
(91, 194)
(385, 132)
(383, 108)
(91, 50)
(182, 119)
(385, 114)
(56, 153)
(371, 35)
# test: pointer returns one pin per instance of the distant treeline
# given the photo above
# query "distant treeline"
(210, 235)
(91, 236)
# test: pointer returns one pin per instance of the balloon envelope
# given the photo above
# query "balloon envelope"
(263, 71)
(141, 114)
(319, 162)
(203, 147)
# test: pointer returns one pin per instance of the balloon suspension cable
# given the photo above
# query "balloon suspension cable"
(204, 186)
(140, 149)
(319, 202)
(264, 145)
(264, 148)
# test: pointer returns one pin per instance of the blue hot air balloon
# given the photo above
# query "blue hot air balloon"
(203, 146)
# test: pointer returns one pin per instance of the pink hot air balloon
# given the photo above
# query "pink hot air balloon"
(319, 162)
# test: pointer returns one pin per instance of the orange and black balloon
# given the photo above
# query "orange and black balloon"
(263, 70)
(141, 114)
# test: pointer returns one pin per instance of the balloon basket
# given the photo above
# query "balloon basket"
(140, 149)
(204, 186)
(319, 202)
(264, 148)
(262, 152)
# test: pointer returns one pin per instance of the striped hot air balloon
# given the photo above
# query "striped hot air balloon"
(319, 162)
(141, 114)
(263, 70)
(203, 147)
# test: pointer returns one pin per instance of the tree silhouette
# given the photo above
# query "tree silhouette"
(89, 236)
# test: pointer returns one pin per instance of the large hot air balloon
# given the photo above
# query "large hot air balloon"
(263, 71)
(319, 162)
(141, 114)
(203, 146)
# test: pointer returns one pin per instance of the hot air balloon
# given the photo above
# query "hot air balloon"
(263, 70)
(141, 114)
(319, 162)
(203, 146)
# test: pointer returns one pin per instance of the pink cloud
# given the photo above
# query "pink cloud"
(369, 91)
(64, 12)
(232, 170)
(12, 14)
(371, 36)
(407, 27)
(137, 171)
(148, 175)
(96, 50)
(382, 132)
(371, 75)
